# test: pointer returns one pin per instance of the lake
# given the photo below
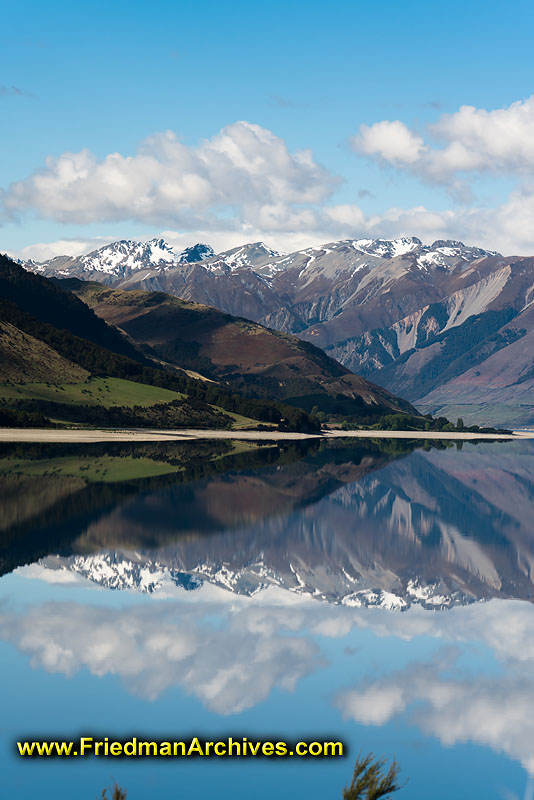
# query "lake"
(374, 593)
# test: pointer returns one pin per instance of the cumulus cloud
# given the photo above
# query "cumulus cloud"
(494, 711)
(470, 140)
(229, 667)
(242, 174)
(448, 702)
(390, 141)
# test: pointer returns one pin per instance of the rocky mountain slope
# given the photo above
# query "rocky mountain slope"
(433, 323)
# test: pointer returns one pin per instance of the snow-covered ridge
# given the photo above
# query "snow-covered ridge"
(386, 248)
(129, 254)
(441, 252)
(113, 570)
(120, 259)
(123, 257)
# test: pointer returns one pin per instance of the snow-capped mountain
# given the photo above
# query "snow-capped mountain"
(117, 260)
(120, 259)
(349, 256)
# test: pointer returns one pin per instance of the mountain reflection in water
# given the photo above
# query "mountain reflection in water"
(435, 526)
(263, 581)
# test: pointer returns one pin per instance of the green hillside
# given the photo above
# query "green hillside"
(106, 392)
(25, 358)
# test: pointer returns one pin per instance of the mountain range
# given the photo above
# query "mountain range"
(447, 326)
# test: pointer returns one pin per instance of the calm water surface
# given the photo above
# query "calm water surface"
(381, 594)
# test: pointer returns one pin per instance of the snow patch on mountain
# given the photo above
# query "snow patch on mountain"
(444, 252)
(119, 257)
(386, 248)
(254, 254)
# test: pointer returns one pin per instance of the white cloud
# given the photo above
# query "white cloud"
(474, 141)
(508, 228)
(390, 141)
(229, 667)
(499, 140)
(56, 576)
(374, 705)
(494, 711)
(42, 251)
(222, 183)
(284, 241)
(447, 701)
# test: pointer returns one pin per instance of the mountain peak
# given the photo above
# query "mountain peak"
(455, 243)
(197, 252)
(253, 254)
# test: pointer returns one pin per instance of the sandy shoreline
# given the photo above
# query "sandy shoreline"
(149, 435)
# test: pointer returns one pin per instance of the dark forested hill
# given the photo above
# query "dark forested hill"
(50, 337)
(46, 302)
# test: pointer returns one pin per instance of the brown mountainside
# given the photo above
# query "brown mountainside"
(237, 352)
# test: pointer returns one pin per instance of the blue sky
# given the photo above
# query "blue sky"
(103, 78)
